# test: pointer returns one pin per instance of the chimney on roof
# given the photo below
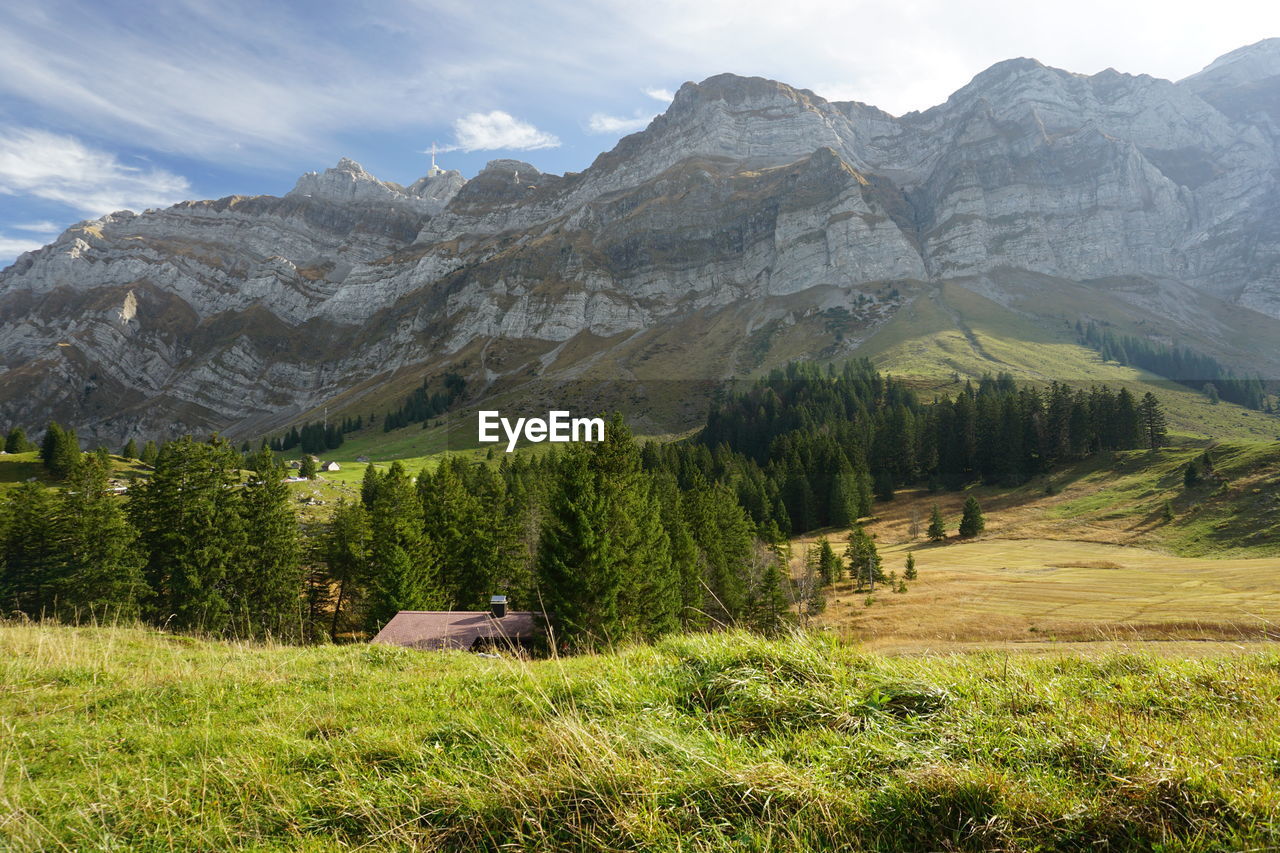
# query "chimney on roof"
(498, 606)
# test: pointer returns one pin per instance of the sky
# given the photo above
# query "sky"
(132, 104)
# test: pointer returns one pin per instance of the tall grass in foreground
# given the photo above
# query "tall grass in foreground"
(114, 738)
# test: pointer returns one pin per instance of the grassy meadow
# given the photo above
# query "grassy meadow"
(121, 738)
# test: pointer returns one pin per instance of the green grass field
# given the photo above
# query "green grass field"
(133, 739)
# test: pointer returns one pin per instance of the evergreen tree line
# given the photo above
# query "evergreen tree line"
(1182, 365)
(314, 438)
(608, 548)
(421, 405)
(805, 448)
(195, 547)
(59, 448)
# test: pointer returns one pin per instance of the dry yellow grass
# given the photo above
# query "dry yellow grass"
(1026, 584)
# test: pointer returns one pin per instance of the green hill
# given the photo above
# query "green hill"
(131, 739)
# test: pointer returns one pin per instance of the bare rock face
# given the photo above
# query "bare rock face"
(745, 192)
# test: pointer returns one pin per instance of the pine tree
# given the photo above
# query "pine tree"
(579, 574)
(29, 558)
(130, 450)
(937, 526)
(910, 573)
(307, 467)
(770, 610)
(1155, 426)
(60, 450)
(863, 558)
(1191, 475)
(830, 567)
(149, 454)
(971, 521)
(191, 533)
(462, 531)
(16, 441)
(650, 584)
(101, 577)
(344, 547)
(265, 585)
(369, 486)
(402, 562)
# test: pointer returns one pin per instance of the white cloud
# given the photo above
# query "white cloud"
(62, 169)
(45, 227)
(11, 247)
(664, 95)
(498, 130)
(601, 123)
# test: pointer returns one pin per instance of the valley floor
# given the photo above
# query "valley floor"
(1086, 556)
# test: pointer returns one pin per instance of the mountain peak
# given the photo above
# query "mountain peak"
(1240, 67)
(735, 89)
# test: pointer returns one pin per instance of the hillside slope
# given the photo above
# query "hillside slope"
(706, 743)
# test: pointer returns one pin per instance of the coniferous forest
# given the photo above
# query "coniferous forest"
(612, 541)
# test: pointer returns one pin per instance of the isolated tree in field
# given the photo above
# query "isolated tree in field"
(265, 585)
(910, 572)
(16, 441)
(937, 525)
(971, 521)
(130, 450)
(1155, 426)
(862, 557)
(830, 567)
(307, 467)
(1191, 475)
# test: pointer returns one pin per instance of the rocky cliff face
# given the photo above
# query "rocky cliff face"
(216, 313)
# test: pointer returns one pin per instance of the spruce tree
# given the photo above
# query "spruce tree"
(830, 567)
(650, 583)
(910, 573)
(30, 564)
(344, 548)
(130, 450)
(937, 525)
(265, 585)
(101, 577)
(16, 441)
(769, 612)
(1155, 426)
(60, 450)
(149, 454)
(971, 521)
(307, 467)
(579, 572)
(863, 558)
(402, 562)
(462, 530)
(188, 517)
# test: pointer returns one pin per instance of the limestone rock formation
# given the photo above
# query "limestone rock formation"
(745, 194)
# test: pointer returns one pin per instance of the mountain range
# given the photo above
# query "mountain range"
(750, 224)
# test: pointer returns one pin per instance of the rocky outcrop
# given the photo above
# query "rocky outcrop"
(745, 192)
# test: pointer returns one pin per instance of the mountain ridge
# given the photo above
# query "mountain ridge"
(208, 314)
